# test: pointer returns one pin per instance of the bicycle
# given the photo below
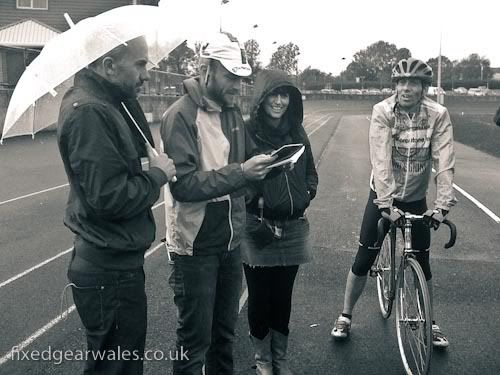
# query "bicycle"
(408, 287)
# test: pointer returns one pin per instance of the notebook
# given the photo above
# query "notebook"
(287, 154)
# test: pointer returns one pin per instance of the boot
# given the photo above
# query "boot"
(279, 344)
(263, 357)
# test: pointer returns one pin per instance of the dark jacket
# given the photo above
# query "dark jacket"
(206, 209)
(496, 119)
(287, 193)
(110, 198)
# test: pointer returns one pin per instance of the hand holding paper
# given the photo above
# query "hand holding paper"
(255, 168)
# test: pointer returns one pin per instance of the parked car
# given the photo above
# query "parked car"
(329, 91)
(387, 90)
(373, 91)
(460, 90)
(434, 91)
(476, 91)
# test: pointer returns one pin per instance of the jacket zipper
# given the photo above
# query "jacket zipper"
(289, 194)
(407, 160)
(230, 225)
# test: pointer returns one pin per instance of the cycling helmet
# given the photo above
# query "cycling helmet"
(412, 68)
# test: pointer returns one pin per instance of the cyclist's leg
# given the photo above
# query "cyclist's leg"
(366, 255)
(421, 240)
(356, 278)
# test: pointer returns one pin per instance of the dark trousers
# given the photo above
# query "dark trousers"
(206, 292)
(367, 251)
(269, 298)
(112, 306)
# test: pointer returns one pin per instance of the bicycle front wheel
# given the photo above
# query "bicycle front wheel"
(383, 270)
(413, 318)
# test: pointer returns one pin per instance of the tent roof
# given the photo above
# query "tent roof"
(26, 33)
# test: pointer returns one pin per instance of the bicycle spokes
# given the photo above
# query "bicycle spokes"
(413, 319)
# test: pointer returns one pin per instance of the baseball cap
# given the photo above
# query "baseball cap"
(225, 48)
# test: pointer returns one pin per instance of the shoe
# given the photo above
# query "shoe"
(439, 340)
(341, 328)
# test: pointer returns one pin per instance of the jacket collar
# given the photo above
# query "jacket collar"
(99, 86)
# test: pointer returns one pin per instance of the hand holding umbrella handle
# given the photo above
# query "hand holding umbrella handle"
(148, 145)
(167, 169)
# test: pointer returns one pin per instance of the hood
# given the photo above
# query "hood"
(266, 82)
(193, 89)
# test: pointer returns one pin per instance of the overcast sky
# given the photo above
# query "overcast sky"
(327, 30)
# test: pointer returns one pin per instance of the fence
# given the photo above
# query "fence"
(170, 84)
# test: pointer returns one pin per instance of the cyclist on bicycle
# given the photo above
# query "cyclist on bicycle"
(409, 135)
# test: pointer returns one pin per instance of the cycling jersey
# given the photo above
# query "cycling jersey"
(404, 148)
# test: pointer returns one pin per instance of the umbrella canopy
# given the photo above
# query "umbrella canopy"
(91, 38)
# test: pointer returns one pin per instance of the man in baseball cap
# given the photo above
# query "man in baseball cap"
(222, 65)
(204, 134)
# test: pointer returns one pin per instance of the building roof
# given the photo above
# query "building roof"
(27, 33)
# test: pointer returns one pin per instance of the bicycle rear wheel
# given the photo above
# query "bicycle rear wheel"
(384, 271)
(413, 318)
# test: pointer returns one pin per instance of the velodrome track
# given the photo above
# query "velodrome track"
(35, 246)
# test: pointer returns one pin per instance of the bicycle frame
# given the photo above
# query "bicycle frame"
(408, 287)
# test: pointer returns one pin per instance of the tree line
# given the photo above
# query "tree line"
(370, 67)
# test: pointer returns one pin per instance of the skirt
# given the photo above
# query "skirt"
(286, 244)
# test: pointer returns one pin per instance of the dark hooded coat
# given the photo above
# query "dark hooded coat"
(287, 193)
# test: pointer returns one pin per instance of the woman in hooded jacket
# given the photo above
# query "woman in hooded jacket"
(276, 239)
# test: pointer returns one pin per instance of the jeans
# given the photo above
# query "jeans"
(112, 306)
(206, 292)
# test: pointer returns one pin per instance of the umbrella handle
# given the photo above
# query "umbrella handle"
(174, 179)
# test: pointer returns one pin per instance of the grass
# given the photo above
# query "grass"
(478, 131)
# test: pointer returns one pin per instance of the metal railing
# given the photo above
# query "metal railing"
(170, 84)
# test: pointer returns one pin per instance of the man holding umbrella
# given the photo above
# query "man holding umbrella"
(101, 137)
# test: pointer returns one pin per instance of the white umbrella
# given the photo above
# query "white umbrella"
(69, 52)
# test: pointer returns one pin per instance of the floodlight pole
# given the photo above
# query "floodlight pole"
(440, 97)
(220, 14)
(342, 59)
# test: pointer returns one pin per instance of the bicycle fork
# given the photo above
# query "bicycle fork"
(414, 322)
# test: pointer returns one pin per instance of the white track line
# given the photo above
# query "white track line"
(243, 299)
(38, 192)
(320, 126)
(481, 206)
(22, 345)
(36, 335)
(315, 121)
(24, 273)
(32, 194)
